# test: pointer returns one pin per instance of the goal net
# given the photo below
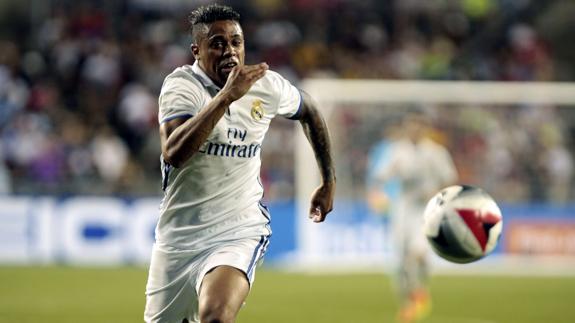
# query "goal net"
(512, 139)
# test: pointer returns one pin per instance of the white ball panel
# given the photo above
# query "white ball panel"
(493, 238)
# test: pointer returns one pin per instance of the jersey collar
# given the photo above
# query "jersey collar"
(204, 78)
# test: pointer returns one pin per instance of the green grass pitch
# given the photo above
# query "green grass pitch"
(106, 295)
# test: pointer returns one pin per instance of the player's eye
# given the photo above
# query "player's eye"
(218, 44)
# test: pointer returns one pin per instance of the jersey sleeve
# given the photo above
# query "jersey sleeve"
(441, 168)
(387, 170)
(446, 167)
(180, 97)
(290, 99)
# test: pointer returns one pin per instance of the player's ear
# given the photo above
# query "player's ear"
(195, 51)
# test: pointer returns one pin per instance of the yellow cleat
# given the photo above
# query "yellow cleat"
(406, 314)
(422, 305)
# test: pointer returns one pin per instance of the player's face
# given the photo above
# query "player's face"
(415, 127)
(221, 48)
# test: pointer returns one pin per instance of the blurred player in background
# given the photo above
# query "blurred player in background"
(213, 228)
(417, 167)
(5, 180)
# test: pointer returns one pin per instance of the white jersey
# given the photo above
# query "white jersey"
(421, 167)
(209, 198)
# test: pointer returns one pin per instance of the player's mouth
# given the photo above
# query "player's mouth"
(227, 67)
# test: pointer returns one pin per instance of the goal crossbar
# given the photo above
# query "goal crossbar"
(470, 92)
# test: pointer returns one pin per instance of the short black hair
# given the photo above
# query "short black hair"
(208, 14)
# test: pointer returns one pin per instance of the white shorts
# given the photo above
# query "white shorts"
(176, 275)
(407, 231)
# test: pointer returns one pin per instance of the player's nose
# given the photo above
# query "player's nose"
(230, 50)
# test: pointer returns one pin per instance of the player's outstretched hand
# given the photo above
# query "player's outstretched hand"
(322, 202)
(242, 78)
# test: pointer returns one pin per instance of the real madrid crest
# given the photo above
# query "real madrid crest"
(257, 110)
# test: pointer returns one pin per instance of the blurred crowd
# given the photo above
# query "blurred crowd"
(79, 79)
(517, 153)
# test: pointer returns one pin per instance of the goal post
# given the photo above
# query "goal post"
(370, 102)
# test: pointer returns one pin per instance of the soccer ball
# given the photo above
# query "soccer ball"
(462, 223)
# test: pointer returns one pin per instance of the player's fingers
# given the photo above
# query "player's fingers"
(235, 70)
(249, 70)
(313, 211)
(257, 73)
(316, 214)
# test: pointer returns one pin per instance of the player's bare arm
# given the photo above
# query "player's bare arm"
(181, 138)
(316, 131)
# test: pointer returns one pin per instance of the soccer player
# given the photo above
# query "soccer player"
(420, 167)
(213, 228)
